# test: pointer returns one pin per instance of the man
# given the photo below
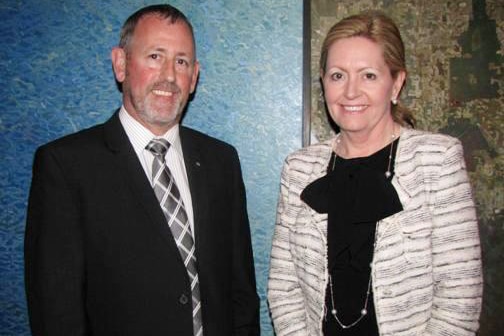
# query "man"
(123, 238)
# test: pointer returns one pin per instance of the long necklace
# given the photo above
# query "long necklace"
(388, 173)
(363, 312)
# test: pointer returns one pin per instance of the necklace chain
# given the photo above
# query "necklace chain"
(363, 311)
(388, 172)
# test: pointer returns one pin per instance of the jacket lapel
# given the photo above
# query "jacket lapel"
(141, 193)
(402, 180)
(196, 168)
(318, 171)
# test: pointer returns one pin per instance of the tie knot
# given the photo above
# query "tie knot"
(158, 147)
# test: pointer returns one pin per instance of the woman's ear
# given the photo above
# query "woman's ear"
(398, 84)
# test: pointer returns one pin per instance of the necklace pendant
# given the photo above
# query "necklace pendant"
(363, 312)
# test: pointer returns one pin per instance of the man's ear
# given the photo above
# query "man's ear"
(194, 78)
(118, 56)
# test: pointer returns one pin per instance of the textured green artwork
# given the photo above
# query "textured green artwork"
(455, 52)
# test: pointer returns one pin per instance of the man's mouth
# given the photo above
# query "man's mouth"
(162, 93)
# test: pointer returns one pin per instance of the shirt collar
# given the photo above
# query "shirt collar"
(140, 136)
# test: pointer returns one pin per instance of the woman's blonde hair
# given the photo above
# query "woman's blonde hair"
(379, 28)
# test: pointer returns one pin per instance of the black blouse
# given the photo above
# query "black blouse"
(355, 194)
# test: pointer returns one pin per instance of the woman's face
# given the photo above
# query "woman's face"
(359, 87)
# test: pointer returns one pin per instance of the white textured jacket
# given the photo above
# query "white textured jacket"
(426, 269)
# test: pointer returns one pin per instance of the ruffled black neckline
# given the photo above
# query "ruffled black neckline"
(354, 193)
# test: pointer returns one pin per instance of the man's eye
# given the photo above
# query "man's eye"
(182, 62)
(154, 56)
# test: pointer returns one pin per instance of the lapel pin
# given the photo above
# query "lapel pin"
(198, 163)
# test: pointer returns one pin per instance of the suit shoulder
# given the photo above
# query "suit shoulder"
(205, 141)
(73, 139)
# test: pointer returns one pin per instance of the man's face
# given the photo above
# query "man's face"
(158, 72)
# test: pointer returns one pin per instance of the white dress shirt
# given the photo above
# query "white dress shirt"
(140, 136)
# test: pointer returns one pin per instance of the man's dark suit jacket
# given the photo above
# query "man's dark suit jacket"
(100, 258)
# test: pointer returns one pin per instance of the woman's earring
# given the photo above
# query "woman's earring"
(394, 101)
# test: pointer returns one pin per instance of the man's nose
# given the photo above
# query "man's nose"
(168, 72)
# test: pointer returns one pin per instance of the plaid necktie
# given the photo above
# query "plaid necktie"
(173, 208)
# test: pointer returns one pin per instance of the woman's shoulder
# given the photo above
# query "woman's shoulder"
(419, 140)
(310, 158)
(320, 149)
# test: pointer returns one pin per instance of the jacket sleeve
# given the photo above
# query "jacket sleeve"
(245, 298)
(456, 251)
(285, 297)
(53, 252)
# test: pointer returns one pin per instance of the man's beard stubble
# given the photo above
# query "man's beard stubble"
(158, 115)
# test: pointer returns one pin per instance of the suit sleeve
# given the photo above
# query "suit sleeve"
(285, 297)
(54, 262)
(245, 299)
(456, 252)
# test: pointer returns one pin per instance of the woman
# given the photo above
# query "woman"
(376, 230)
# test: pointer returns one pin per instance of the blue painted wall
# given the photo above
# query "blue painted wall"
(56, 78)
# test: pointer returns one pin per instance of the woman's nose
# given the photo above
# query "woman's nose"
(352, 88)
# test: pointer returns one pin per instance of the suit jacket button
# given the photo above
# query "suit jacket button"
(183, 299)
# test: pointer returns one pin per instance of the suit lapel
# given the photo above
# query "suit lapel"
(196, 167)
(133, 175)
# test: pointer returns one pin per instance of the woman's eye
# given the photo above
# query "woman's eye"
(336, 76)
(371, 76)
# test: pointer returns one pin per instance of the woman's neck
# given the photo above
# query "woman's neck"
(352, 144)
